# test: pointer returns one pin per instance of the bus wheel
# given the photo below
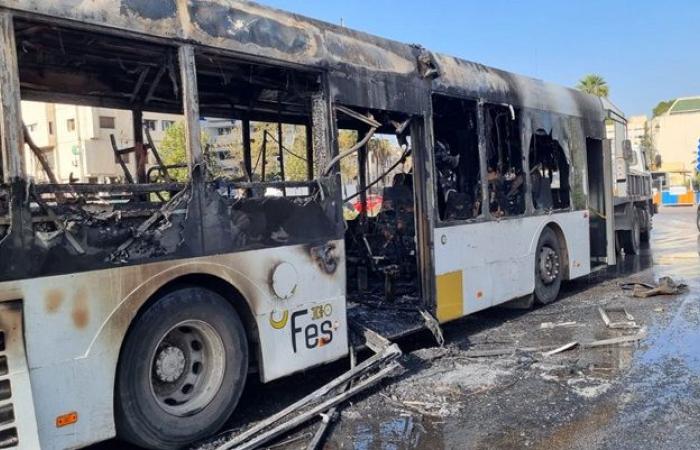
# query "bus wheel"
(632, 239)
(548, 273)
(181, 371)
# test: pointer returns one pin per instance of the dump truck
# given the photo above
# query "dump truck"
(632, 184)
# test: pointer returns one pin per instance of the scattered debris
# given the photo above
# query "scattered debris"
(550, 351)
(618, 325)
(504, 351)
(617, 341)
(561, 349)
(666, 286)
(550, 325)
(332, 415)
(434, 326)
(324, 400)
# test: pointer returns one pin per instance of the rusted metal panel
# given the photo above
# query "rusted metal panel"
(353, 58)
(10, 110)
(188, 75)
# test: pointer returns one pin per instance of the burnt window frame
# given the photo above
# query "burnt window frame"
(570, 179)
(53, 95)
(520, 114)
(484, 215)
(312, 158)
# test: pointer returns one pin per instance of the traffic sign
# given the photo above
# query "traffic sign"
(697, 160)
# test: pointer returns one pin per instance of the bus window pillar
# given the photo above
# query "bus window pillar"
(193, 132)
(525, 138)
(483, 165)
(139, 148)
(10, 107)
(247, 150)
(322, 116)
(310, 150)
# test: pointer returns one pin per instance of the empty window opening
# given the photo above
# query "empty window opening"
(458, 174)
(263, 170)
(262, 126)
(91, 186)
(379, 207)
(549, 173)
(504, 161)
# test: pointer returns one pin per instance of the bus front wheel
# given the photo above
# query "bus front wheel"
(181, 371)
(548, 267)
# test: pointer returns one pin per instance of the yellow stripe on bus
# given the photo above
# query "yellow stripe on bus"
(450, 297)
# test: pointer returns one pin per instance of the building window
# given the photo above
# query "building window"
(70, 125)
(107, 123)
(223, 131)
(166, 124)
(51, 128)
(150, 125)
(32, 127)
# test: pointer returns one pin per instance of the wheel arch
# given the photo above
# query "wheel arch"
(563, 246)
(214, 283)
(235, 287)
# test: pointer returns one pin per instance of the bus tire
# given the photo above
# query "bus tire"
(182, 370)
(548, 270)
(631, 240)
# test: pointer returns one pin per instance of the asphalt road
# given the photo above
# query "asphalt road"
(644, 396)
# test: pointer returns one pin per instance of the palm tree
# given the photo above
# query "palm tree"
(594, 84)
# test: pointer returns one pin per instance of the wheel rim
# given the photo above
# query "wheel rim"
(187, 368)
(549, 265)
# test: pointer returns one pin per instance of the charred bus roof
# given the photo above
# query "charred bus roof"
(351, 57)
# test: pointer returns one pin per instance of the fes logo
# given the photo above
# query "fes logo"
(314, 332)
(281, 323)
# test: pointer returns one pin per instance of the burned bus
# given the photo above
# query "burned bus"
(137, 306)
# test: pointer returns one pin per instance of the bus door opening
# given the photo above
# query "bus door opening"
(378, 206)
(597, 199)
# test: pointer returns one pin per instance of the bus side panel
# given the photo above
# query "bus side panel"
(75, 325)
(484, 264)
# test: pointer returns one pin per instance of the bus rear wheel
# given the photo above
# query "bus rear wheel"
(548, 267)
(181, 371)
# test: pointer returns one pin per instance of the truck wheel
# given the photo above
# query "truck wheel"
(548, 274)
(181, 371)
(632, 239)
(645, 232)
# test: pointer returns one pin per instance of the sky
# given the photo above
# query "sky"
(648, 51)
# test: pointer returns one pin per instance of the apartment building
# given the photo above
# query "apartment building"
(676, 134)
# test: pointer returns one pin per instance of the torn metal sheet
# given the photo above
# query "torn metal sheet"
(629, 323)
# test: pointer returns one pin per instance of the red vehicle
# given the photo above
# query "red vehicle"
(373, 206)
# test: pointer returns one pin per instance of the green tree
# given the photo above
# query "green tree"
(662, 107)
(349, 170)
(173, 151)
(594, 84)
(295, 163)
